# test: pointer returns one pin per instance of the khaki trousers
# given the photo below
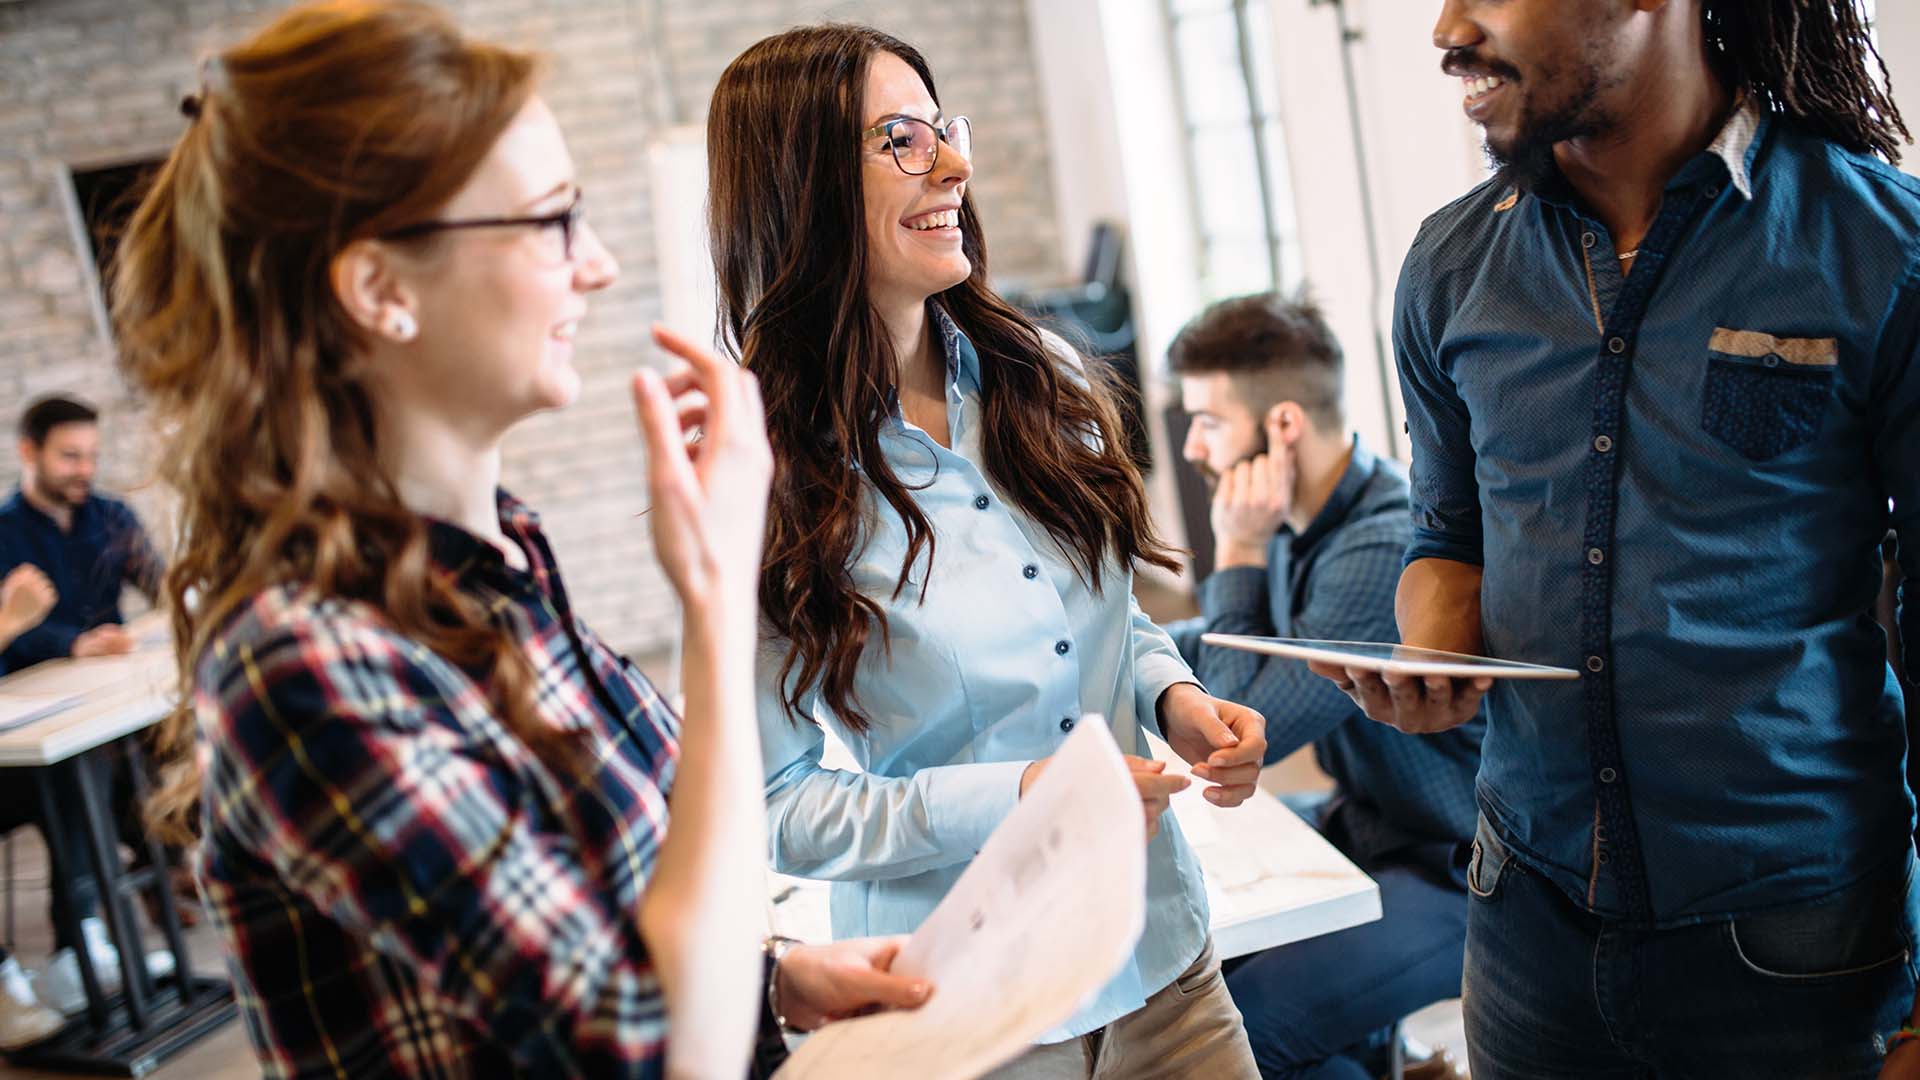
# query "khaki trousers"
(1189, 1029)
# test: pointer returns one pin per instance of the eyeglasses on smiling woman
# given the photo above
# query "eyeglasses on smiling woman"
(916, 144)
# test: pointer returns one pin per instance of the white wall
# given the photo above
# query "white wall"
(1108, 95)
(1420, 153)
(1900, 47)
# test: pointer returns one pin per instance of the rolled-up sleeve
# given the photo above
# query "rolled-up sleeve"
(845, 825)
(1444, 494)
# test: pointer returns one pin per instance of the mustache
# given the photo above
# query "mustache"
(1463, 61)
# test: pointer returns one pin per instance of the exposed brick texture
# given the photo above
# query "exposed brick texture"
(94, 82)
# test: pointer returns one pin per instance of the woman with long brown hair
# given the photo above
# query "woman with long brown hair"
(954, 523)
(432, 807)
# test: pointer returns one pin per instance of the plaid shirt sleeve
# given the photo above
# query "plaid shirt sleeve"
(1350, 598)
(360, 768)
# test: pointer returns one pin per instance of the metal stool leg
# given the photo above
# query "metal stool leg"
(1397, 1056)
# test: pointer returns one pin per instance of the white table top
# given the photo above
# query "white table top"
(114, 696)
(1271, 878)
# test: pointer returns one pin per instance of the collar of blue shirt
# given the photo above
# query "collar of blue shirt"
(1360, 468)
(1733, 150)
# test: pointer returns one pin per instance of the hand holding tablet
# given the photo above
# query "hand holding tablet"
(1419, 691)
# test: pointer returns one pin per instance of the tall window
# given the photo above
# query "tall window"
(1243, 200)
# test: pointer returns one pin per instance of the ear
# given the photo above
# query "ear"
(28, 452)
(1286, 422)
(367, 279)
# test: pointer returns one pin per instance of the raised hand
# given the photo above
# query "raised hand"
(709, 468)
(26, 596)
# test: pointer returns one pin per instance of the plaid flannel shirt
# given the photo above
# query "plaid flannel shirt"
(405, 890)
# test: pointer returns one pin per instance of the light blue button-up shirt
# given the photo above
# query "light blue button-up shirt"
(997, 652)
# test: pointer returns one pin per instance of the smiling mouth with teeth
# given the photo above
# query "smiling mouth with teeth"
(939, 219)
(1481, 86)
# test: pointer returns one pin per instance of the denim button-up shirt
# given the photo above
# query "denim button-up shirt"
(990, 667)
(1678, 481)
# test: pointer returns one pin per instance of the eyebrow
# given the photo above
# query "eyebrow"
(557, 189)
(907, 116)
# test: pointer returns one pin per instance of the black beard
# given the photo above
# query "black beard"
(58, 495)
(1529, 161)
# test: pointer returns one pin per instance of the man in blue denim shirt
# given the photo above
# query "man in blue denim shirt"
(1661, 382)
(1309, 531)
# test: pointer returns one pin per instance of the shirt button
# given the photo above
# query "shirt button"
(1587, 239)
(980, 502)
(1604, 857)
(1594, 664)
(1771, 359)
(1596, 556)
(1062, 647)
(1066, 723)
(1029, 571)
(1608, 776)
(1602, 443)
(1616, 346)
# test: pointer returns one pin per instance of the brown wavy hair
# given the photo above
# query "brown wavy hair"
(341, 120)
(788, 234)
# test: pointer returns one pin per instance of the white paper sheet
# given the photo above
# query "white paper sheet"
(17, 710)
(1047, 912)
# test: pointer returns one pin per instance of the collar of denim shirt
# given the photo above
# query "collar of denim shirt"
(1732, 151)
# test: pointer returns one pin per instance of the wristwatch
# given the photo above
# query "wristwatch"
(776, 947)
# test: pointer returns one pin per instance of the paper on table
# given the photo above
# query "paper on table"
(18, 710)
(1004, 964)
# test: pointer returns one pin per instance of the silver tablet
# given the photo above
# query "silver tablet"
(1390, 658)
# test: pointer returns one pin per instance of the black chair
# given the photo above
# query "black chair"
(1096, 315)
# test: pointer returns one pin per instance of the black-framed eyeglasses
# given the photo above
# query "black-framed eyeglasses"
(916, 143)
(567, 221)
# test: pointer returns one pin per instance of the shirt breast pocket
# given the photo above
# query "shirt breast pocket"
(1766, 395)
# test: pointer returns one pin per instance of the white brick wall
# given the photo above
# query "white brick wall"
(94, 82)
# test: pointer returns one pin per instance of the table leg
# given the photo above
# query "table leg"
(66, 916)
(157, 857)
(102, 847)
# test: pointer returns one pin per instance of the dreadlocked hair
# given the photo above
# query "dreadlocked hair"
(1812, 61)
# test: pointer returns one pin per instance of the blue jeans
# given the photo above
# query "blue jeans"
(1798, 992)
(1310, 1005)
